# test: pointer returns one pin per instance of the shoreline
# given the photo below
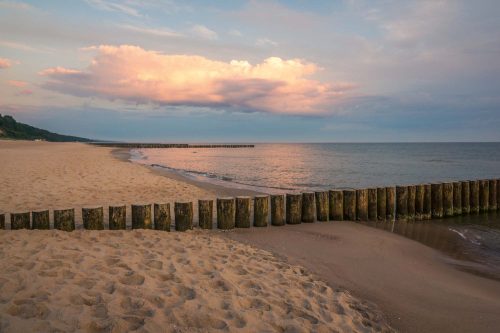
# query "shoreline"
(123, 154)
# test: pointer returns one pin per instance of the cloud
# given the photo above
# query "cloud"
(112, 6)
(133, 74)
(15, 5)
(151, 31)
(204, 32)
(25, 92)
(17, 84)
(234, 33)
(5, 63)
(263, 42)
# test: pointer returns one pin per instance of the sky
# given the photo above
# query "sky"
(254, 71)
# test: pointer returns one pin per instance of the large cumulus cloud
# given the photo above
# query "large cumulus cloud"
(133, 74)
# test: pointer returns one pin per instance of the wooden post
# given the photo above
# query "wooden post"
(349, 205)
(412, 192)
(117, 217)
(372, 204)
(162, 219)
(277, 210)
(225, 213)
(293, 208)
(465, 197)
(322, 202)
(447, 199)
(401, 203)
(336, 203)
(242, 212)
(40, 220)
(474, 196)
(64, 219)
(457, 198)
(381, 203)
(362, 204)
(493, 195)
(437, 200)
(484, 195)
(183, 212)
(93, 218)
(2, 221)
(391, 202)
(260, 211)
(206, 214)
(308, 207)
(141, 217)
(419, 201)
(427, 212)
(19, 221)
(498, 195)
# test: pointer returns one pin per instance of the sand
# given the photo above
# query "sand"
(144, 280)
(414, 285)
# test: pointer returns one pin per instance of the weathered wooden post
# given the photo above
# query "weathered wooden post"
(162, 219)
(2, 221)
(322, 209)
(447, 199)
(349, 205)
(437, 200)
(465, 197)
(419, 201)
(64, 219)
(293, 208)
(260, 211)
(40, 220)
(19, 221)
(336, 203)
(390, 202)
(362, 204)
(183, 213)
(427, 212)
(141, 217)
(493, 195)
(117, 217)
(242, 217)
(205, 213)
(381, 203)
(225, 213)
(401, 203)
(412, 192)
(93, 218)
(484, 195)
(474, 196)
(457, 198)
(277, 210)
(498, 195)
(372, 204)
(308, 207)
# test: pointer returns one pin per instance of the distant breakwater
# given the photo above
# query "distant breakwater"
(400, 203)
(132, 145)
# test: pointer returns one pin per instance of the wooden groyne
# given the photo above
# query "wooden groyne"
(132, 145)
(399, 203)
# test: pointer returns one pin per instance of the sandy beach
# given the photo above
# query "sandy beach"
(143, 280)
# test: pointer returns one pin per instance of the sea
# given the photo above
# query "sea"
(471, 243)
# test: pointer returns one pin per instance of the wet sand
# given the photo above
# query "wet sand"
(412, 283)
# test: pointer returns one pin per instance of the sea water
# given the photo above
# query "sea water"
(471, 242)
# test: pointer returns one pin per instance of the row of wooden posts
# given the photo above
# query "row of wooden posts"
(412, 202)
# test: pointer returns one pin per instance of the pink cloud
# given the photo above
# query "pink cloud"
(25, 92)
(133, 74)
(5, 63)
(17, 84)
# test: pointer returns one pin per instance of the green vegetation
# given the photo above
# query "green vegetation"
(11, 129)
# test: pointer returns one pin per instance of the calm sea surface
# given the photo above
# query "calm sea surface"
(471, 243)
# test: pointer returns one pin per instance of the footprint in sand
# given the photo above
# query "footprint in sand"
(156, 264)
(131, 278)
(27, 308)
